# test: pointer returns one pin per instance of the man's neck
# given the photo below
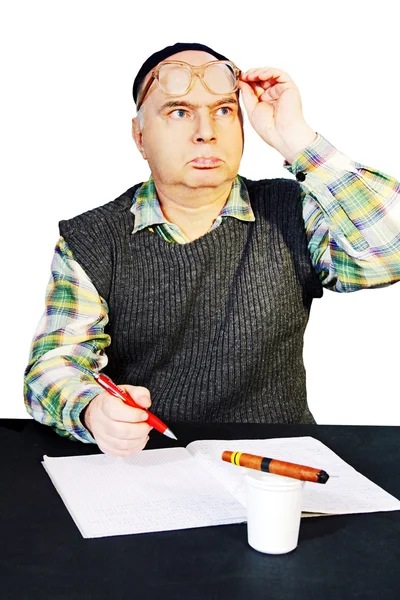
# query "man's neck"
(194, 213)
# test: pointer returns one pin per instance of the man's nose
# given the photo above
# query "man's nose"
(204, 130)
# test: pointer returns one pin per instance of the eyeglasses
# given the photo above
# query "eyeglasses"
(176, 78)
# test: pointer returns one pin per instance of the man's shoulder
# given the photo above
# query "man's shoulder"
(101, 215)
(275, 184)
(268, 195)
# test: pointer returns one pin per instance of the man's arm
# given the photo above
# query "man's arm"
(68, 345)
(352, 219)
(351, 212)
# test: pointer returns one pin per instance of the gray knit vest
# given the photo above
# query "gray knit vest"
(213, 328)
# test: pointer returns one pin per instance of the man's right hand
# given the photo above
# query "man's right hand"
(119, 429)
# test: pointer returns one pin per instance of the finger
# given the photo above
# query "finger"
(126, 445)
(254, 71)
(261, 86)
(257, 89)
(140, 395)
(266, 84)
(274, 92)
(116, 409)
(249, 97)
(126, 431)
(113, 450)
(265, 73)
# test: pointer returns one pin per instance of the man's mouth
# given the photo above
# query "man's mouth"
(206, 163)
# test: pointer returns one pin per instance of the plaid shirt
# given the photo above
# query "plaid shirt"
(352, 221)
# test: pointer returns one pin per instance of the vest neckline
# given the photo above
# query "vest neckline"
(226, 224)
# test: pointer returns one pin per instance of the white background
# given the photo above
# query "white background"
(66, 108)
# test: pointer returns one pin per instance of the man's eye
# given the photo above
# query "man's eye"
(227, 109)
(179, 110)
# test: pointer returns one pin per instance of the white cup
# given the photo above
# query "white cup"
(274, 506)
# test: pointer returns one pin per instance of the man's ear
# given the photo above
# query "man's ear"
(138, 137)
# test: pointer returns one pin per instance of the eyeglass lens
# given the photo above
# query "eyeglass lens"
(175, 79)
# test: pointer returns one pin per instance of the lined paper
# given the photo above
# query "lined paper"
(347, 492)
(155, 490)
(178, 488)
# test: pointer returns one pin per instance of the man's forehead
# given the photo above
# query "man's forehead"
(194, 57)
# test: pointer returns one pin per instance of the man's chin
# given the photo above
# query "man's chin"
(211, 177)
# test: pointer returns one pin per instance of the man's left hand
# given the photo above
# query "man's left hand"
(273, 105)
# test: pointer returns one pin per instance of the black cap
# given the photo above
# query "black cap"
(157, 57)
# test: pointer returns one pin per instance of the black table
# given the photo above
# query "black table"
(44, 556)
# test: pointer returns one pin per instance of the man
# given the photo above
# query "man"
(193, 290)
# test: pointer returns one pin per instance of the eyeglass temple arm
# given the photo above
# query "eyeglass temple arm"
(144, 92)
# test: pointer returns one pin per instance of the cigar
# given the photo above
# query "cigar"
(278, 467)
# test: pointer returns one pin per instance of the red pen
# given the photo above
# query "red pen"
(152, 420)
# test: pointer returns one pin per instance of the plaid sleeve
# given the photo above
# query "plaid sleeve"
(352, 219)
(69, 341)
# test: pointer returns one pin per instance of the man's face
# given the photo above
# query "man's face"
(198, 125)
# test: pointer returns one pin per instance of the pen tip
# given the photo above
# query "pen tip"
(169, 434)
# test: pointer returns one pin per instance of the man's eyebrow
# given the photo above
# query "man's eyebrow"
(178, 103)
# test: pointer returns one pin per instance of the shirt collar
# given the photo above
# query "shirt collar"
(147, 210)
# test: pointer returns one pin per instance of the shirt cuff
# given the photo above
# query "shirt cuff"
(322, 160)
(72, 414)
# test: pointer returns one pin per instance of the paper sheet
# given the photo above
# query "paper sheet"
(346, 491)
(156, 490)
(175, 488)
